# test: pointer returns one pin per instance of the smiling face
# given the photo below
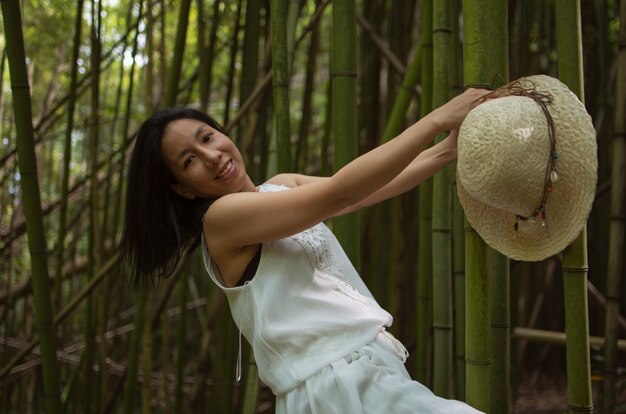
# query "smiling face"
(205, 162)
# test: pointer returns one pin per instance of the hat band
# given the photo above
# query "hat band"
(517, 88)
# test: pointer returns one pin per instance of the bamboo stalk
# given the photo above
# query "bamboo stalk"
(27, 162)
(132, 367)
(67, 155)
(569, 39)
(458, 250)
(344, 115)
(424, 281)
(280, 84)
(206, 75)
(477, 19)
(500, 332)
(179, 49)
(249, 68)
(458, 236)
(442, 213)
(616, 231)
(498, 264)
(234, 48)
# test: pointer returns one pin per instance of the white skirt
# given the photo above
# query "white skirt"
(372, 380)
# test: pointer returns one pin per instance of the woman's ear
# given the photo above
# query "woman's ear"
(182, 191)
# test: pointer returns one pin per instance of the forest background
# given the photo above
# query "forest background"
(76, 338)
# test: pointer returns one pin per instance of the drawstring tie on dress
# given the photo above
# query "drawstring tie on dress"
(396, 346)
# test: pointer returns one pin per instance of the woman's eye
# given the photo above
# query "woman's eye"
(207, 136)
(187, 162)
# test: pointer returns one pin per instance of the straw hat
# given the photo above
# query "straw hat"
(525, 198)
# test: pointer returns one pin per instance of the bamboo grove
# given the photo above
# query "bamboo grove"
(300, 85)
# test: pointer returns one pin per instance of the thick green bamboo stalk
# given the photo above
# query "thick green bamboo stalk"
(344, 115)
(569, 44)
(425, 263)
(616, 231)
(477, 322)
(458, 236)
(500, 332)
(498, 264)
(280, 84)
(179, 50)
(442, 212)
(484, 60)
(458, 251)
(27, 162)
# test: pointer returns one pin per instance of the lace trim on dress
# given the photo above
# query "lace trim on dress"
(316, 243)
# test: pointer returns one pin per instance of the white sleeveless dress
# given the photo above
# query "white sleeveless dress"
(318, 335)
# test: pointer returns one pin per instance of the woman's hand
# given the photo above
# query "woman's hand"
(451, 115)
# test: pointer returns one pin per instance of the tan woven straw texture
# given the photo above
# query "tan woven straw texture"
(504, 149)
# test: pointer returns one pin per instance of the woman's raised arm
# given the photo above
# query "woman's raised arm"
(242, 219)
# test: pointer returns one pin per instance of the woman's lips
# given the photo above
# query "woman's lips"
(225, 171)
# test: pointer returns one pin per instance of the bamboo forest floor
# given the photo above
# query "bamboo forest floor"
(548, 396)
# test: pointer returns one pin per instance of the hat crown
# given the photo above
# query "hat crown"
(507, 140)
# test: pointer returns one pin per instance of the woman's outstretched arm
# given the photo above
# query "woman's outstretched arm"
(424, 166)
(241, 219)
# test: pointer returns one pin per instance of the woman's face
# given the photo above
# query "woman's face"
(204, 161)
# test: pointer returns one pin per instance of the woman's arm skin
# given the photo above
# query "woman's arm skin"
(238, 220)
(425, 165)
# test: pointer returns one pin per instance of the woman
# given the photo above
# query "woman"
(317, 333)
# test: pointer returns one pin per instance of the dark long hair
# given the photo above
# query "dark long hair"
(159, 224)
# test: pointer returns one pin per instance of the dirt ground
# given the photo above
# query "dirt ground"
(550, 398)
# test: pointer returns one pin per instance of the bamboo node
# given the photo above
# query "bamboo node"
(580, 409)
(477, 85)
(574, 270)
(501, 325)
(478, 361)
(20, 86)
